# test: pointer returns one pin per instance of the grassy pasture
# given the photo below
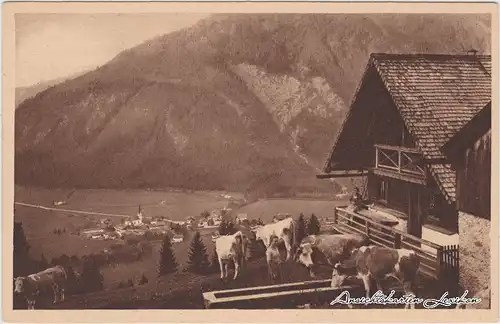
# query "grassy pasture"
(39, 224)
(149, 265)
(182, 289)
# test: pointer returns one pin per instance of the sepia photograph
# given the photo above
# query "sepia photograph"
(249, 160)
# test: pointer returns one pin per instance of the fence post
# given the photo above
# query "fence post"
(335, 216)
(399, 160)
(367, 228)
(397, 241)
(439, 263)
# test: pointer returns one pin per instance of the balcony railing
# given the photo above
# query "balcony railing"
(399, 159)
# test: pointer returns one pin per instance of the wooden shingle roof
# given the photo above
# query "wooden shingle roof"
(436, 95)
(477, 127)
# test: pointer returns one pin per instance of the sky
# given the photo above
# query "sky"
(51, 46)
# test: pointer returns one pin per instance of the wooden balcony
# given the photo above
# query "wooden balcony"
(400, 160)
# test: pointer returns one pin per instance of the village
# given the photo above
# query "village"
(142, 225)
(157, 226)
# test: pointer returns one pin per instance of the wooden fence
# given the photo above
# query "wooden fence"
(436, 261)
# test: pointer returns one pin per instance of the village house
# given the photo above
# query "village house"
(216, 221)
(405, 109)
(280, 216)
(92, 232)
(469, 153)
(241, 217)
(177, 238)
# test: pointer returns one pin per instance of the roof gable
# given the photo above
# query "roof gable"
(435, 95)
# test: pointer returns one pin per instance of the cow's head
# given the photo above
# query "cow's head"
(261, 235)
(19, 285)
(346, 268)
(304, 256)
(253, 233)
(238, 236)
(339, 275)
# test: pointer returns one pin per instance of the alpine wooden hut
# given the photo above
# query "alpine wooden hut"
(405, 109)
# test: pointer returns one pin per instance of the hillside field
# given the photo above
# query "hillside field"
(39, 224)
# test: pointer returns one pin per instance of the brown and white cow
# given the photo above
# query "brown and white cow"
(30, 287)
(378, 263)
(231, 248)
(284, 230)
(327, 249)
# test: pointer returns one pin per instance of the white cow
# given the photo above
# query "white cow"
(231, 247)
(31, 286)
(284, 230)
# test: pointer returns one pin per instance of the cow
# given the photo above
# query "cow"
(231, 247)
(274, 261)
(284, 230)
(327, 249)
(378, 263)
(31, 286)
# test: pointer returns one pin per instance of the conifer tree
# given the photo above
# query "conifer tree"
(43, 263)
(313, 227)
(22, 262)
(223, 227)
(198, 258)
(168, 263)
(92, 278)
(254, 250)
(301, 231)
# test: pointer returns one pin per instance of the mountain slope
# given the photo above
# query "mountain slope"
(23, 93)
(241, 102)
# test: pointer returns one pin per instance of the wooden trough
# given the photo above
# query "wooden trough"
(278, 296)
